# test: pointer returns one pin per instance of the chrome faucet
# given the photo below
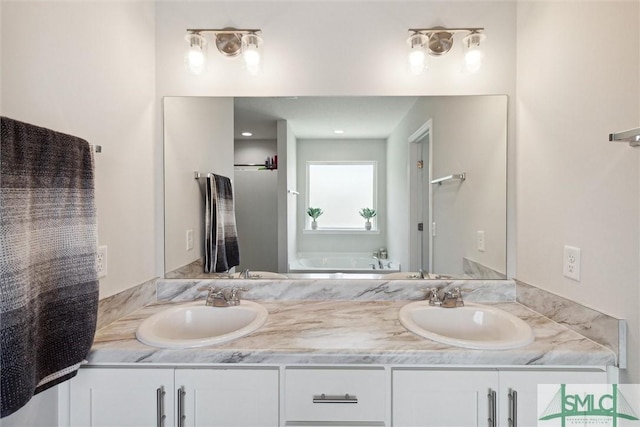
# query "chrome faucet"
(218, 297)
(422, 274)
(450, 299)
(245, 274)
(379, 261)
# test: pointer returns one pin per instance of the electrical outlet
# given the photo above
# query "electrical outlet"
(102, 262)
(571, 263)
(189, 240)
(480, 240)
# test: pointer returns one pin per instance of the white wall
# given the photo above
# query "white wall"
(478, 148)
(574, 187)
(88, 69)
(310, 48)
(198, 133)
(469, 136)
(342, 150)
(256, 203)
(41, 411)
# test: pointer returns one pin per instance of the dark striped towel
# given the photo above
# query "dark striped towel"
(221, 237)
(48, 279)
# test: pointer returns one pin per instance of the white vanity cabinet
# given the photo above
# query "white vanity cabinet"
(468, 397)
(168, 397)
(285, 395)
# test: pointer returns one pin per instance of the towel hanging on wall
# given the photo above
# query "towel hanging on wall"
(221, 237)
(48, 245)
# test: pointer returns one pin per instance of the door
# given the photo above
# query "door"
(122, 398)
(227, 397)
(421, 207)
(450, 398)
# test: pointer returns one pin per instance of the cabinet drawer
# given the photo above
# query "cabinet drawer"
(304, 389)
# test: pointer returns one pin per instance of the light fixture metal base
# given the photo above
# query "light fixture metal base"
(229, 43)
(440, 42)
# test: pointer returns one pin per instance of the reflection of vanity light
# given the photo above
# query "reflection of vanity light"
(247, 134)
(338, 132)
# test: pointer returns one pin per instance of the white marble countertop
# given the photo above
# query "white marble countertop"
(348, 332)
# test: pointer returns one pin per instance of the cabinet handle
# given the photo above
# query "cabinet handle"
(160, 415)
(513, 408)
(181, 415)
(346, 398)
(492, 408)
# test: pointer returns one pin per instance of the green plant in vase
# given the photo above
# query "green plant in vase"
(367, 214)
(314, 213)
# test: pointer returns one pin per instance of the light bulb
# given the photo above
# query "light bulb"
(417, 53)
(473, 52)
(252, 52)
(195, 58)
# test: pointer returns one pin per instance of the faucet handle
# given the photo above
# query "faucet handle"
(431, 295)
(234, 295)
(454, 297)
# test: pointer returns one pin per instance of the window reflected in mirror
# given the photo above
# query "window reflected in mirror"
(341, 190)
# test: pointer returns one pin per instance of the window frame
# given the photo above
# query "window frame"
(375, 229)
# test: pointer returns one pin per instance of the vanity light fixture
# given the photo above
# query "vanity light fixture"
(247, 134)
(438, 41)
(230, 42)
(338, 131)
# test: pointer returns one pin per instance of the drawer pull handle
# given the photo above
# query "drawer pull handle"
(346, 398)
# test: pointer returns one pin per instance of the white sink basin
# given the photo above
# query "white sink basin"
(472, 326)
(196, 325)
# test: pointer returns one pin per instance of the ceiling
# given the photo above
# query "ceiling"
(367, 117)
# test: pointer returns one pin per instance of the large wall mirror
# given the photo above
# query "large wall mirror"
(432, 168)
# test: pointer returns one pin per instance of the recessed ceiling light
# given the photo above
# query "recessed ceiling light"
(247, 134)
(338, 132)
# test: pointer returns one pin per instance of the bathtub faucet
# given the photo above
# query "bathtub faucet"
(379, 262)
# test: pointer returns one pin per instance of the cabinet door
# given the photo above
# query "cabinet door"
(525, 384)
(229, 397)
(442, 398)
(103, 397)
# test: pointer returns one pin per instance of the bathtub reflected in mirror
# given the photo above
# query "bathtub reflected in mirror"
(449, 228)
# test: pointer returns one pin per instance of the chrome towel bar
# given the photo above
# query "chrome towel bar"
(632, 136)
(460, 176)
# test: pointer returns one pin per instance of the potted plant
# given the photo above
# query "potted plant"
(367, 214)
(314, 213)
